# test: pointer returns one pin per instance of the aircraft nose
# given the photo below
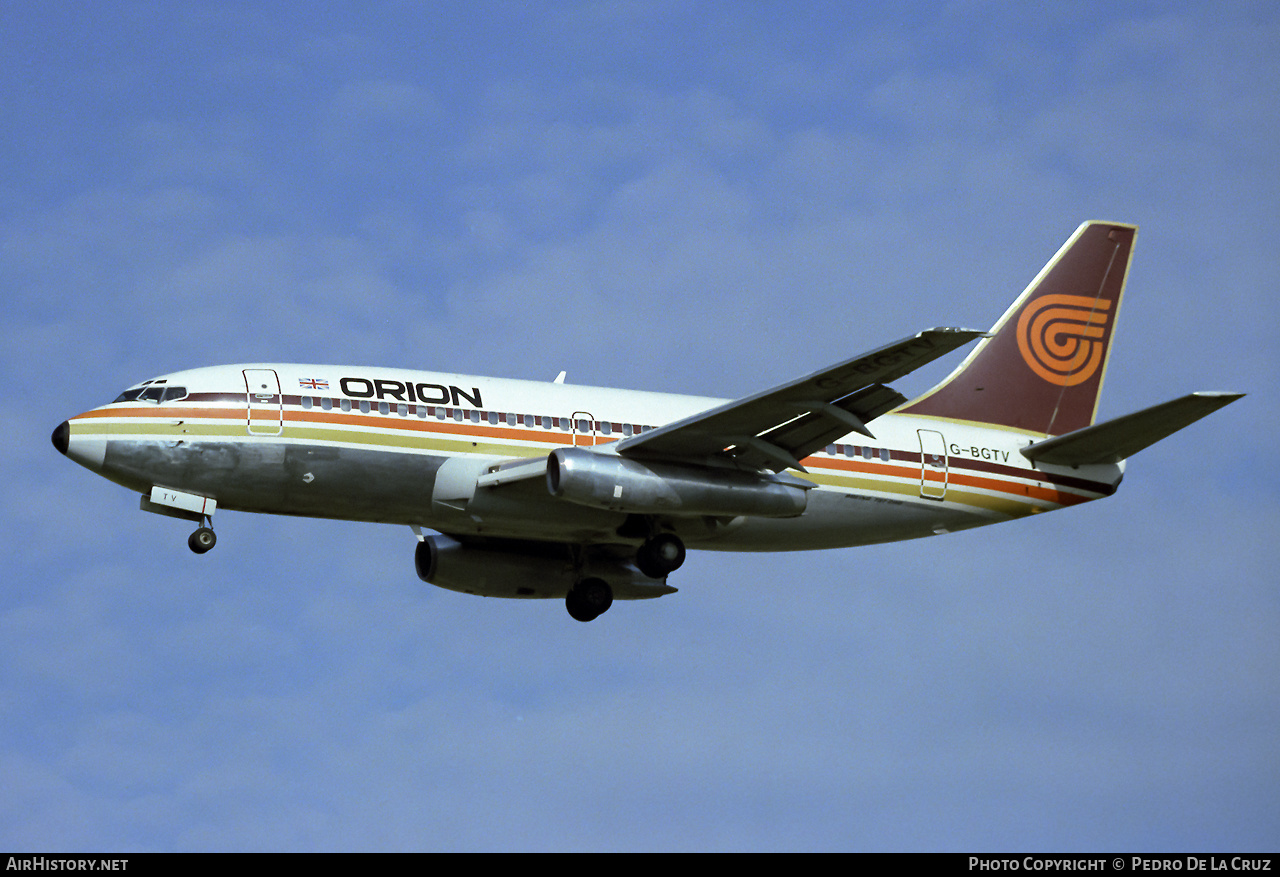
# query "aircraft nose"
(89, 451)
(62, 437)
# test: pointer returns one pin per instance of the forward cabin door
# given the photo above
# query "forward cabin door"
(933, 464)
(265, 414)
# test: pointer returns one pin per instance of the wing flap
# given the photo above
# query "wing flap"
(778, 427)
(824, 422)
(1115, 440)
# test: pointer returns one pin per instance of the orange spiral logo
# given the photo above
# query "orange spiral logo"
(1061, 337)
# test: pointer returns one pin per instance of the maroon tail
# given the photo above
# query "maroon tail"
(1042, 366)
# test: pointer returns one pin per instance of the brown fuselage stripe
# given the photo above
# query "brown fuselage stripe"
(554, 436)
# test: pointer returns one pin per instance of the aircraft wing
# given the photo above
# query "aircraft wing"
(778, 428)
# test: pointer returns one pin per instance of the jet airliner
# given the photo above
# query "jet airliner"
(549, 490)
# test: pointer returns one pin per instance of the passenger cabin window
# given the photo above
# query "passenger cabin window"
(156, 393)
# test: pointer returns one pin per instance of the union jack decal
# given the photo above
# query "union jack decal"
(313, 383)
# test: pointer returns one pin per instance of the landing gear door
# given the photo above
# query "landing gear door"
(933, 464)
(265, 406)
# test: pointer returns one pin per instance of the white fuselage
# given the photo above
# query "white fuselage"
(406, 447)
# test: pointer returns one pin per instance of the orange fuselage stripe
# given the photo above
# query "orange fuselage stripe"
(555, 437)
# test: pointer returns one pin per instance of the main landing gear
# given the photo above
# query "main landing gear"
(589, 599)
(659, 556)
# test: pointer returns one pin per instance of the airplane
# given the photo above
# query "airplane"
(550, 490)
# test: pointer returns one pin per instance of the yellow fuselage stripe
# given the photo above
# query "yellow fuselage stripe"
(466, 437)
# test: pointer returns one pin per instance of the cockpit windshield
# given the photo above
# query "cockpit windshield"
(150, 392)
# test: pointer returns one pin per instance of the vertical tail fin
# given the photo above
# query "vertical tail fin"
(1041, 367)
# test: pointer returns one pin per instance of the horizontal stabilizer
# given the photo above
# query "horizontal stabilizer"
(1115, 440)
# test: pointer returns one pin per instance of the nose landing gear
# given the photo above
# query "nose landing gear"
(202, 540)
(189, 507)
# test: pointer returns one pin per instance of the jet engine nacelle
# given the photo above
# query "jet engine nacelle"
(620, 484)
(533, 571)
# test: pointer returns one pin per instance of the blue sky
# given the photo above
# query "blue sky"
(702, 197)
